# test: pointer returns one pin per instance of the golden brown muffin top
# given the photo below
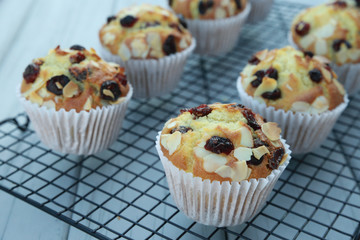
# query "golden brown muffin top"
(289, 79)
(331, 30)
(145, 32)
(74, 78)
(208, 9)
(222, 142)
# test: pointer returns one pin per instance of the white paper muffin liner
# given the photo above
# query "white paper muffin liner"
(82, 133)
(153, 77)
(348, 74)
(215, 203)
(217, 36)
(260, 9)
(303, 131)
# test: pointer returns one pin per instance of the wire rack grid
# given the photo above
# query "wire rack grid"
(122, 192)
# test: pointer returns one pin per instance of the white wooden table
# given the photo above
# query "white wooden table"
(28, 29)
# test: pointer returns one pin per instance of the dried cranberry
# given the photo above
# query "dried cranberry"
(56, 84)
(276, 158)
(111, 86)
(200, 111)
(357, 3)
(219, 145)
(79, 74)
(254, 60)
(121, 78)
(254, 161)
(182, 20)
(338, 42)
(110, 18)
(169, 46)
(238, 4)
(309, 54)
(328, 67)
(31, 73)
(170, 2)
(250, 117)
(176, 26)
(276, 94)
(316, 75)
(272, 73)
(202, 7)
(259, 143)
(77, 58)
(128, 21)
(210, 3)
(302, 28)
(181, 129)
(260, 75)
(340, 4)
(77, 47)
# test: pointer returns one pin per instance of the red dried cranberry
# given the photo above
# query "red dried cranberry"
(219, 145)
(169, 46)
(204, 6)
(111, 86)
(250, 117)
(182, 20)
(79, 74)
(254, 60)
(238, 4)
(170, 2)
(128, 21)
(309, 54)
(302, 28)
(200, 111)
(77, 47)
(77, 58)
(338, 42)
(121, 78)
(316, 75)
(254, 161)
(181, 129)
(210, 3)
(52, 85)
(328, 67)
(340, 4)
(110, 18)
(276, 94)
(260, 75)
(272, 73)
(276, 158)
(31, 73)
(259, 143)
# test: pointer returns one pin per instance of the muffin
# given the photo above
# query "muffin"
(221, 162)
(260, 9)
(215, 24)
(153, 45)
(332, 30)
(295, 89)
(75, 100)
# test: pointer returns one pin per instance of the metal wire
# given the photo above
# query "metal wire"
(122, 192)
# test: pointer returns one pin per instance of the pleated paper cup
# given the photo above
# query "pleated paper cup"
(348, 74)
(303, 131)
(215, 203)
(153, 77)
(260, 9)
(81, 133)
(218, 36)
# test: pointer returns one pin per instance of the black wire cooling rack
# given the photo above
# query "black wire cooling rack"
(122, 192)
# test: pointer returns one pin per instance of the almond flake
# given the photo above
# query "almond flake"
(246, 137)
(224, 171)
(271, 130)
(124, 52)
(300, 106)
(240, 171)
(171, 142)
(260, 151)
(71, 89)
(171, 125)
(214, 161)
(242, 153)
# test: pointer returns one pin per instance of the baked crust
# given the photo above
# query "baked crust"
(144, 32)
(185, 142)
(297, 89)
(74, 79)
(208, 9)
(333, 31)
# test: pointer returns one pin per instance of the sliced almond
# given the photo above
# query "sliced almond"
(154, 40)
(171, 142)
(35, 98)
(262, 54)
(242, 153)
(224, 171)
(300, 106)
(321, 104)
(171, 125)
(260, 151)
(240, 171)
(214, 161)
(339, 87)
(220, 13)
(320, 47)
(109, 38)
(124, 52)
(49, 104)
(58, 85)
(139, 47)
(246, 137)
(306, 41)
(71, 89)
(108, 93)
(325, 31)
(88, 104)
(271, 130)
(183, 43)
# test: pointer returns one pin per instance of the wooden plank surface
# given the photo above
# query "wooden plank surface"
(29, 28)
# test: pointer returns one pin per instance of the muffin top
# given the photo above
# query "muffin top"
(208, 9)
(289, 79)
(74, 78)
(145, 32)
(223, 142)
(331, 30)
